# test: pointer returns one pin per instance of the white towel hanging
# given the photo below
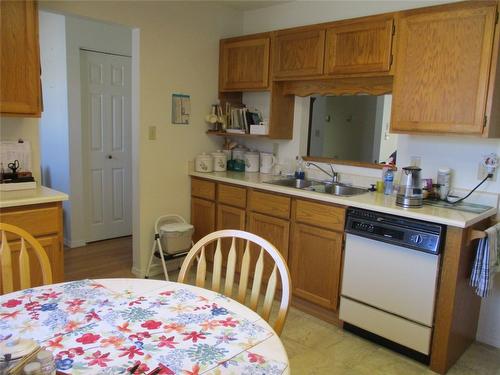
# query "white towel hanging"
(487, 262)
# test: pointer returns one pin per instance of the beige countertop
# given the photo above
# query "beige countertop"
(370, 201)
(39, 195)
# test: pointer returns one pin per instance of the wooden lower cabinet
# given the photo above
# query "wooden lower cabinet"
(275, 230)
(202, 217)
(315, 263)
(230, 218)
(44, 222)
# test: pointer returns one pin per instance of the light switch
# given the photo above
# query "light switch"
(152, 133)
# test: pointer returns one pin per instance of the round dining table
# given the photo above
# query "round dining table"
(142, 326)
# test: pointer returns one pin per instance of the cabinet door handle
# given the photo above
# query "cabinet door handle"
(110, 156)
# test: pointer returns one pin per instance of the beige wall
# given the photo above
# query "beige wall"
(13, 128)
(178, 53)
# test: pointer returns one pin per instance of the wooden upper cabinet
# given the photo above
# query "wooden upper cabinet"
(244, 63)
(20, 92)
(442, 71)
(363, 46)
(298, 53)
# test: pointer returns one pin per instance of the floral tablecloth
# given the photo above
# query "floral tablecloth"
(92, 327)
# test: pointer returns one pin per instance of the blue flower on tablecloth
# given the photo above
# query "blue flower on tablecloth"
(216, 311)
(226, 337)
(206, 354)
(111, 317)
(64, 364)
(48, 307)
(56, 319)
(250, 328)
(183, 295)
(190, 318)
(173, 360)
(139, 344)
(137, 314)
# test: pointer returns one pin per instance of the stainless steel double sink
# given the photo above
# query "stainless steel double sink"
(319, 187)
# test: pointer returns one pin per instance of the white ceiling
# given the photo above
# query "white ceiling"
(244, 5)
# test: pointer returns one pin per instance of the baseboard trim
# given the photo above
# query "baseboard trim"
(72, 244)
(489, 340)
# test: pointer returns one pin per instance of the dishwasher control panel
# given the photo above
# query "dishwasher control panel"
(411, 233)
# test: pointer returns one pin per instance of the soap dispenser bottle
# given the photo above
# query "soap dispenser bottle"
(299, 170)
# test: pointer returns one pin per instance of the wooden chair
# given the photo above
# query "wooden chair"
(198, 252)
(6, 265)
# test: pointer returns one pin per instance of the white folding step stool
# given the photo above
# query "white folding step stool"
(172, 239)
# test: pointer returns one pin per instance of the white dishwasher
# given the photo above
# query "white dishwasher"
(389, 279)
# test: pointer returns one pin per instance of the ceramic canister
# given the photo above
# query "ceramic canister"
(267, 162)
(204, 163)
(239, 153)
(219, 161)
(251, 161)
(228, 154)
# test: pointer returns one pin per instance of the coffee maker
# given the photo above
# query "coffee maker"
(410, 188)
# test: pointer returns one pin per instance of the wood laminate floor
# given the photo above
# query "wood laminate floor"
(313, 346)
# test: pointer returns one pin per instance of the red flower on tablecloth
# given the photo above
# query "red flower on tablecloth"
(115, 341)
(168, 342)
(151, 324)
(88, 338)
(70, 353)
(124, 328)
(137, 301)
(92, 316)
(75, 302)
(195, 336)
(98, 358)
(164, 370)
(50, 295)
(167, 293)
(229, 322)
(71, 326)
(256, 358)
(131, 351)
(209, 325)
(11, 303)
(10, 315)
(139, 336)
(173, 327)
(55, 343)
(142, 369)
(194, 371)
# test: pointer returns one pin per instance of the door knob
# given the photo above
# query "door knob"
(110, 156)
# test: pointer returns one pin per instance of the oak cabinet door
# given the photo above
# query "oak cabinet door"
(441, 75)
(298, 53)
(230, 218)
(316, 256)
(202, 217)
(272, 229)
(361, 47)
(244, 64)
(53, 247)
(20, 92)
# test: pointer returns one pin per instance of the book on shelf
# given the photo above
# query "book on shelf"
(239, 118)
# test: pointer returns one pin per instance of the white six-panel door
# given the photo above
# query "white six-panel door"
(106, 131)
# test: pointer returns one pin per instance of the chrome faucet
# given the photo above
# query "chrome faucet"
(334, 175)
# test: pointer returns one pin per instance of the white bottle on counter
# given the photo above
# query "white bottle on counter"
(444, 181)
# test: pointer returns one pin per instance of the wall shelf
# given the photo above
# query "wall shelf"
(225, 134)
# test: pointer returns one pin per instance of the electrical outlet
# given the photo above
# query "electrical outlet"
(152, 133)
(482, 172)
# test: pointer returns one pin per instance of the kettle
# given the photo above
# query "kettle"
(410, 188)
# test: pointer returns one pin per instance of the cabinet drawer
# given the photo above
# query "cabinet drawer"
(38, 220)
(320, 214)
(203, 189)
(232, 195)
(269, 203)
